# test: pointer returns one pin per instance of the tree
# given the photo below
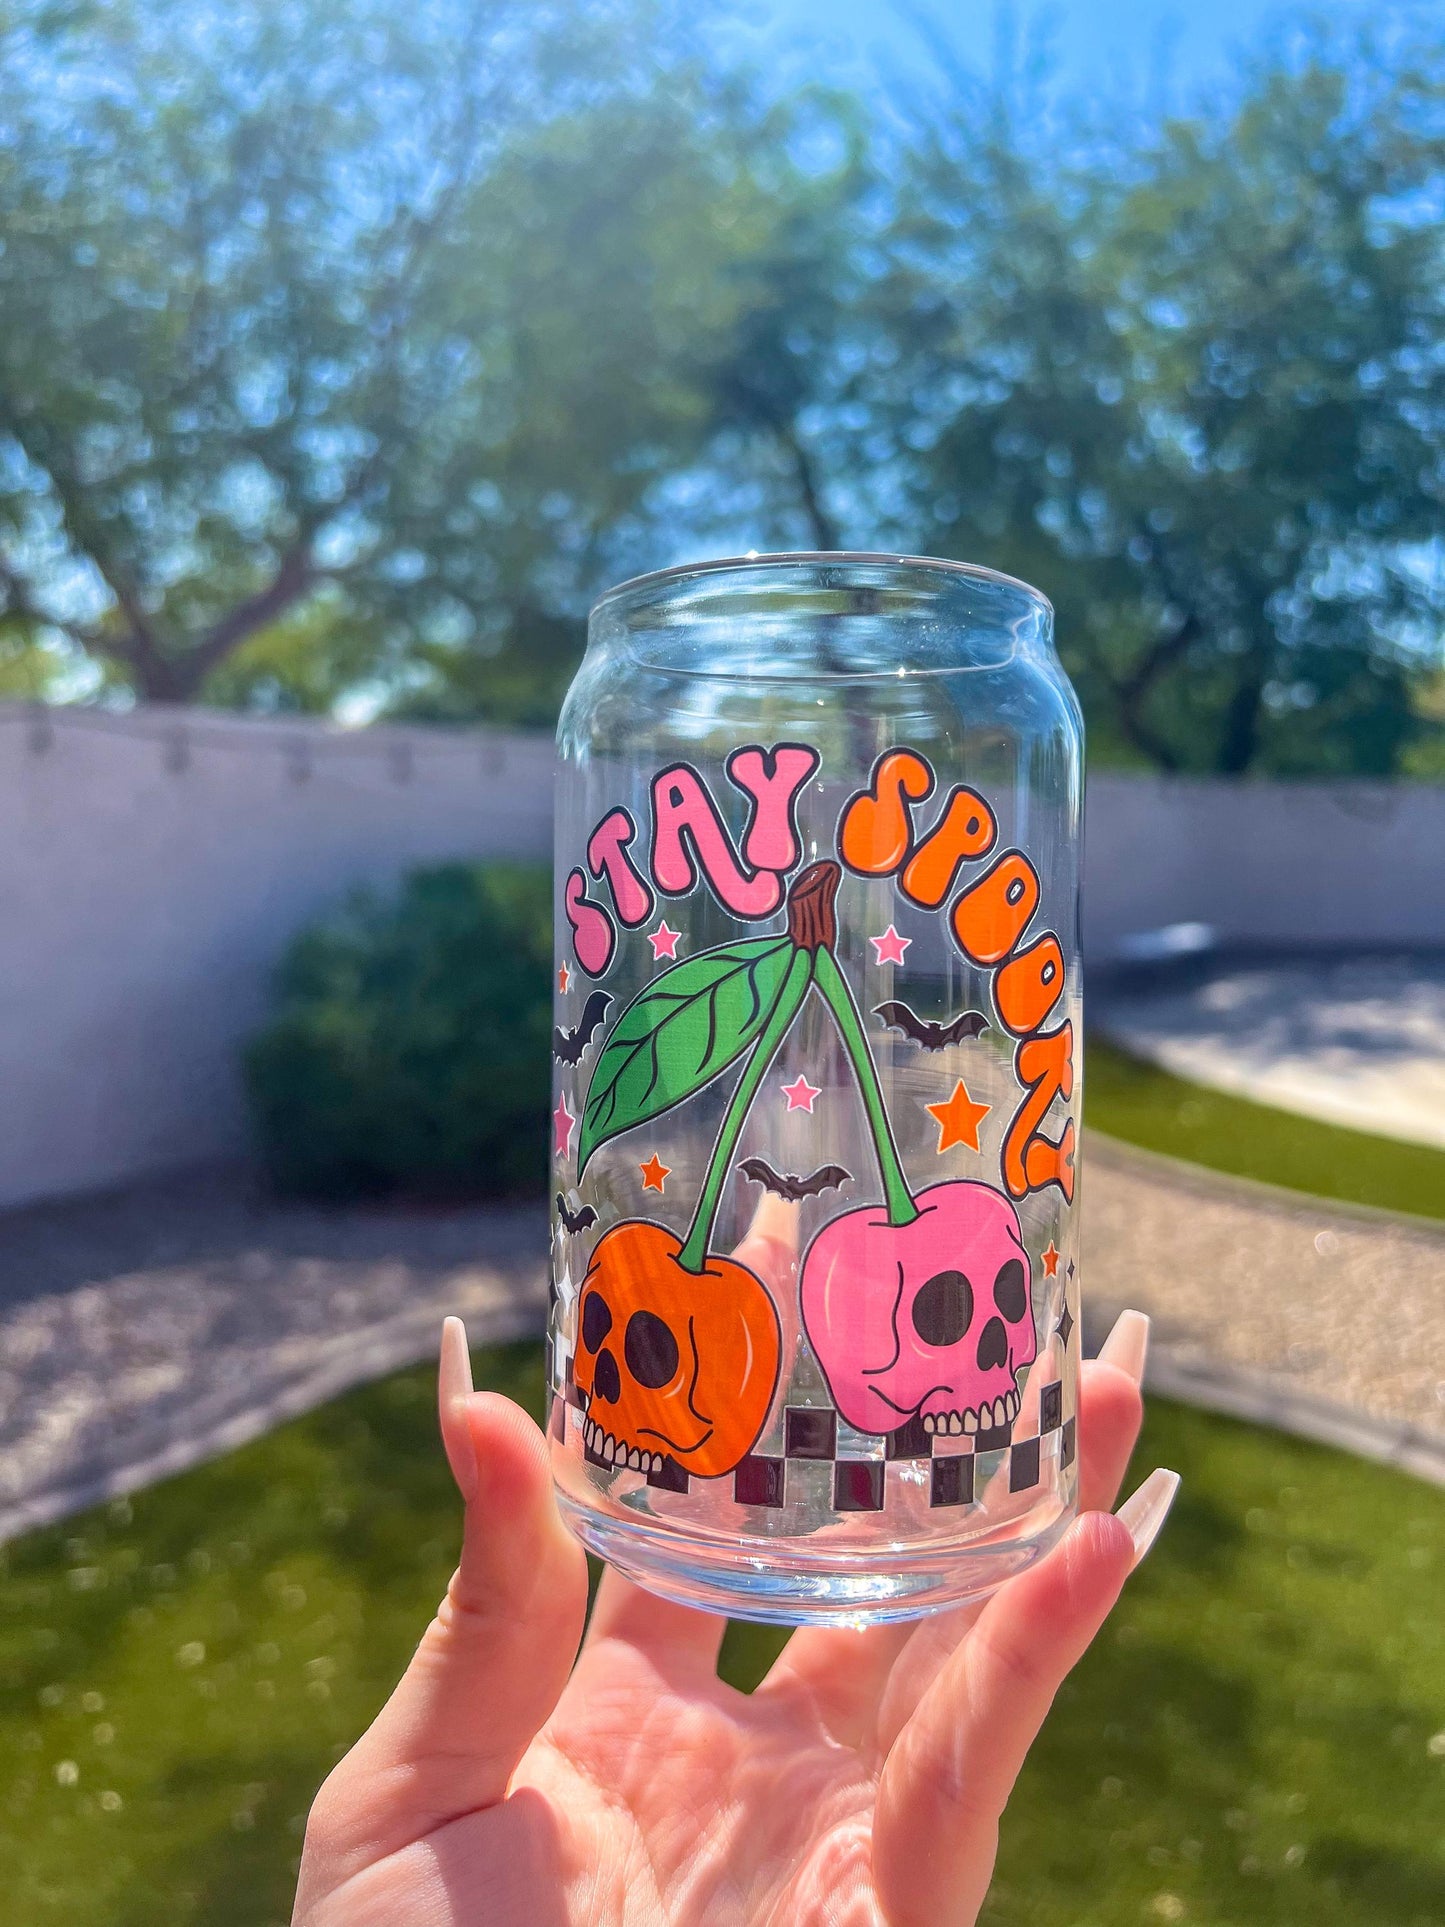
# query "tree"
(347, 349)
(1190, 378)
(334, 339)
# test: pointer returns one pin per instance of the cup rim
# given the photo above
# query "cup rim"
(763, 561)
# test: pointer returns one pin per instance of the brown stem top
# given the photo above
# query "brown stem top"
(812, 920)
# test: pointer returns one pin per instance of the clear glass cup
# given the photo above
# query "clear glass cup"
(814, 1326)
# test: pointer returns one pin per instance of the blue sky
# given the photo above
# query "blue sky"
(1152, 42)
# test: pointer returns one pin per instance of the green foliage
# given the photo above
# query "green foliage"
(1144, 1105)
(347, 350)
(1187, 378)
(388, 308)
(1251, 1734)
(410, 1048)
(682, 1031)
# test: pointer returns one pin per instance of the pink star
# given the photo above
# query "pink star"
(890, 946)
(562, 1122)
(801, 1094)
(663, 941)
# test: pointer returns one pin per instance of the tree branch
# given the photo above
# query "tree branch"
(1161, 655)
(418, 235)
(296, 573)
(139, 645)
(1132, 689)
(19, 597)
(169, 669)
(825, 530)
(20, 602)
(1239, 737)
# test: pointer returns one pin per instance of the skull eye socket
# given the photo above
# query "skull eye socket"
(943, 1309)
(1010, 1293)
(650, 1350)
(596, 1320)
(992, 1345)
(607, 1380)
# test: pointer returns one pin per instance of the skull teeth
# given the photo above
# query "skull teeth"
(988, 1416)
(617, 1452)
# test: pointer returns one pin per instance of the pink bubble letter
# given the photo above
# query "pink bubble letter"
(773, 779)
(683, 812)
(607, 851)
(592, 932)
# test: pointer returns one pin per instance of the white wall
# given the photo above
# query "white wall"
(153, 866)
(1264, 863)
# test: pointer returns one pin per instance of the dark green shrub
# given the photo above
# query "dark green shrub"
(410, 1049)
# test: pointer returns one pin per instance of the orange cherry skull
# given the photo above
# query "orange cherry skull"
(673, 1363)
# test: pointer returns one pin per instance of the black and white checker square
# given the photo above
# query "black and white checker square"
(813, 1438)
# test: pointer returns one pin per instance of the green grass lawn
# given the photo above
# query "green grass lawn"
(1142, 1104)
(1257, 1738)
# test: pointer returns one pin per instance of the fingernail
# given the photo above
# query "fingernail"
(1145, 1511)
(1127, 1346)
(454, 1385)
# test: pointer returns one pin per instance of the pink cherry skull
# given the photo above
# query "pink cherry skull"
(933, 1317)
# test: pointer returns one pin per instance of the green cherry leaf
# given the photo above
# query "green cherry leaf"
(680, 1033)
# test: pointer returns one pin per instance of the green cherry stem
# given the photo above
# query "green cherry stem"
(693, 1256)
(833, 988)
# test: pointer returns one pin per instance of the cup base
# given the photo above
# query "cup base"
(784, 1586)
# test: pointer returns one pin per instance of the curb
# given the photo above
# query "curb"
(1261, 1400)
(1205, 1179)
(385, 1348)
(1228, 1390)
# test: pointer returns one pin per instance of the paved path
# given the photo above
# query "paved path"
(1354, 1040)
(1271, 1304)
(143, 1333)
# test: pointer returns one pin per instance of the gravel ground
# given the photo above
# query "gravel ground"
(1285, 1304)
(142, 1333)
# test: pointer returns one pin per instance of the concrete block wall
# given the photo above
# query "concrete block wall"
(152, 868)
(154, 865)
(1264, 863)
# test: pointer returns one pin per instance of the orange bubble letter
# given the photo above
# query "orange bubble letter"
(1045, 1067)
(1028, 986)
(966, 831)
(875, 831)
(991, 916)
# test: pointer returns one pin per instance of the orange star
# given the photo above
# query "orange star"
(1051, 1261)
(564, 977)
(655, 1173)
(959, 1119)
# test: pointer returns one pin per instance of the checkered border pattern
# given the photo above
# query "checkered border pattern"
(811, 1435)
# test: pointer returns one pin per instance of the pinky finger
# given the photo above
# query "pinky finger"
(953, 1766)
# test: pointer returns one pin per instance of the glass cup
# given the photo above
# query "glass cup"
(814, 1321)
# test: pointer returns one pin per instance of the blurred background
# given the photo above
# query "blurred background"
(347, 351)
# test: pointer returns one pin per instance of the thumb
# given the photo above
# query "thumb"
(492, 1664)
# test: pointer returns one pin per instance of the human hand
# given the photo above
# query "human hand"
(861, 1785)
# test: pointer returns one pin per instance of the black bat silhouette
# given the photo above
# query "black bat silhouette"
(575, 1221)
(568, 1045)
(923, 1030)
(827, 1178)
